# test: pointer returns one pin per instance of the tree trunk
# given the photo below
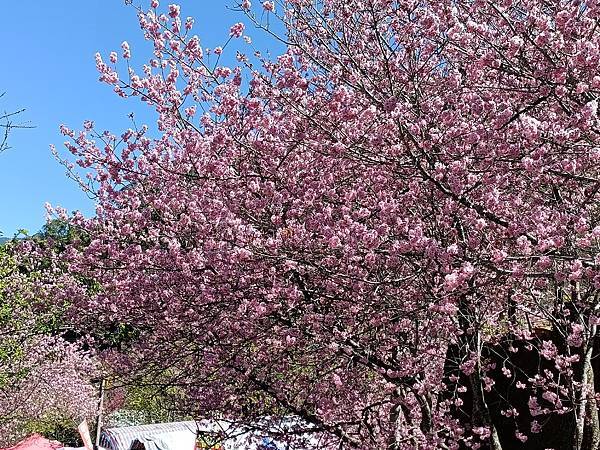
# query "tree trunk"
(481, 412)
(590, 431)
(591, 434)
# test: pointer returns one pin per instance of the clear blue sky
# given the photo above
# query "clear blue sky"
(48, 68)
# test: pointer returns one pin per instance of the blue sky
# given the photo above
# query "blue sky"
(48, 68)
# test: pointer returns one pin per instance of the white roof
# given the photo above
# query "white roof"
(122, 438)
(180, 435)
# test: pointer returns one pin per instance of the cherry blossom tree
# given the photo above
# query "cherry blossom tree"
(52, 389)
(44, 379)
(389, 231)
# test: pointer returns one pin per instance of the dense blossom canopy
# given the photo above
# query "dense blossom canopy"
(374, 231)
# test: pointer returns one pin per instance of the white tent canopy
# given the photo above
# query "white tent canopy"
(182, 435)
(123, 438)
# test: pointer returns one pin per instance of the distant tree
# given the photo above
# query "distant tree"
(386, 231)
(44, 379)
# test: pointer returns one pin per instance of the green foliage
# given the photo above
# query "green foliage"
(58, 234)
(56, 427)
(11, 322)
(150, 403)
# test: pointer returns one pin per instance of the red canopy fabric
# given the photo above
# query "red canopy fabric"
(36, 442)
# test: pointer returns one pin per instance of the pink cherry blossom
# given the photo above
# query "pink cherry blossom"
(174, 11)
(237, 30)
(126, 50)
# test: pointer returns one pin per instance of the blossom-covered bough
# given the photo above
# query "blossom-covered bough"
(390, 231)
